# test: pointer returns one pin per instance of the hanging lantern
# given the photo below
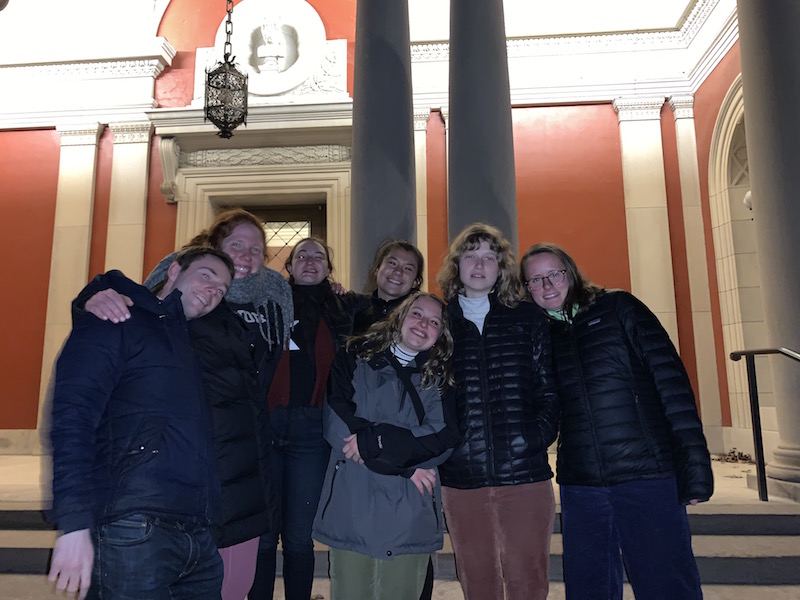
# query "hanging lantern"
(226, 89)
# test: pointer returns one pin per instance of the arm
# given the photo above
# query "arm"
(546, 399)
(71, 566)
(427, 445)
(653, 346)
(105, 297)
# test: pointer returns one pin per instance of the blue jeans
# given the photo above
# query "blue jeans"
(299, 460)
(643, 521)
(140, 557)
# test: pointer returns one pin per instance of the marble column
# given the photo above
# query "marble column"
(770, 57)
(696, 258)
(383, 187)
(128, 204)
(481, 178)
(646, 219)
(72, 234)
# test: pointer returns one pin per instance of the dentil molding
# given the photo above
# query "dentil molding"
(131, 133)
(682, 106)
(638, 109)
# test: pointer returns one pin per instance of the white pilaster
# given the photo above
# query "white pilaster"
(705, 351)
(421, 116)
(646, 217)
(128, 203)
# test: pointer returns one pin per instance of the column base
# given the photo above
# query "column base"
(776, 488)
(786, 464)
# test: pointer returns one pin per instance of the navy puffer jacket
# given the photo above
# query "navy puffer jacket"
(627, 408)
(507, 409)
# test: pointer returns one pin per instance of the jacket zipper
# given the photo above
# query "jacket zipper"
(435, 509)
(487, 418)
(338, 464)
(646, 430)
(587, 403)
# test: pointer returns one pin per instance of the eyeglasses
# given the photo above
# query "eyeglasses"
(554, 277)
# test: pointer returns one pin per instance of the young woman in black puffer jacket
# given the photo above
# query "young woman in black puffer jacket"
(631, 450)
(498, 497)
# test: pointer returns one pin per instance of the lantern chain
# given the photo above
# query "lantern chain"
(228, 31)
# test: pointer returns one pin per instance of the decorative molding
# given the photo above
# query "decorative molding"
(170, 157)
(421, 115)
(638, 109)
(682, 106)
(79, 135)
(289, 155)
(634, 41)
(131, 133)
(115, 69)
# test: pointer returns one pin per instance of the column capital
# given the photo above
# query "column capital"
(682, 106)
(84, 134)
(638, 109)
(136, 132)
(421, 115)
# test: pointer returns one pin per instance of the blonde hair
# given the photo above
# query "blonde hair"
(385, 333)
(508, 288)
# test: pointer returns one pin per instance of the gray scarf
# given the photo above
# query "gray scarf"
(265, 290)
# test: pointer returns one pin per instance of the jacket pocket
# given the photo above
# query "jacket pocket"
(336, 468)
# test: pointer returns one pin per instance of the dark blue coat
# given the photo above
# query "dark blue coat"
(130, 431)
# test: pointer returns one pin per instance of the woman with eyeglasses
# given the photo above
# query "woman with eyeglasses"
(631, 450)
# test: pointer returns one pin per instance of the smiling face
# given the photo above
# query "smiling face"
(550, 296)
(245, 246)
(396, 274)
(422, 325)
(309, 264)
(203, 283)
(478, 270)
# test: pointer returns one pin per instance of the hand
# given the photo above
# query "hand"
(109, 305)
(71, 567)
(424, 479)
(337, 288)
(693, 501)
(350, 449)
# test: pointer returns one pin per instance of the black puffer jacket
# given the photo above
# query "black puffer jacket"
(627, 408)
(377, 310)
(240, 420)
(507, 408)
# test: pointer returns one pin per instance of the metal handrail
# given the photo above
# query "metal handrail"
(755, 411)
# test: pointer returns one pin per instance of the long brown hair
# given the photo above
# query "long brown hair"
(581, 291)
(383, 334)
(508, 287)
(223, 225)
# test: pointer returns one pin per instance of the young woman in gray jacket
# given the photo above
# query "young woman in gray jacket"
(390, 420)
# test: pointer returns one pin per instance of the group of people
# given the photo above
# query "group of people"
(192, 434)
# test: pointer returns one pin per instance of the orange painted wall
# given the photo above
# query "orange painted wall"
(29, 180)
(161, 218)
(677, 236)
(102, 199)
(569, 186)
(707, 102)
(191, 24)
(436, 167)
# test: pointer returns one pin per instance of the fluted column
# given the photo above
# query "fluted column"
(383, 188)
(699, 293)
(128, 203)
(72, 235)
(770, 57)
(646, 217)
(481, 179)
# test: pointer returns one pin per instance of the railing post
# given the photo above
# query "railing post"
(755, 415)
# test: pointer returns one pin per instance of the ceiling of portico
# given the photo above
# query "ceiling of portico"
(535, 18)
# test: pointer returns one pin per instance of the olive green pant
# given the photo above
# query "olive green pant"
(357, 576)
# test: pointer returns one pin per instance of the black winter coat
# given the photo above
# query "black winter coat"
(240, 422)
(377, 310)
(627, 408)
(507, 409)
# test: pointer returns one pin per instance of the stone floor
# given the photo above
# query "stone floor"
(20, 489)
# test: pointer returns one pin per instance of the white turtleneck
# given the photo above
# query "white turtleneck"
(402, 356)
(475, 309)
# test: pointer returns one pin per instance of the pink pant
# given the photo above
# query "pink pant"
(501, 539)
(239, 564)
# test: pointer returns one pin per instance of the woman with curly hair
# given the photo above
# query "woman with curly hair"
(497, 494)
(390, 421)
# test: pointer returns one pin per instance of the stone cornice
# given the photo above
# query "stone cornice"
(115, 69)
(634, 41)
(421, 114)
(638, 109)
(131, 133)
(682, 106)
(86, 134)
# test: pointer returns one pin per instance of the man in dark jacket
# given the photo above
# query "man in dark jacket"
(133, 482)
